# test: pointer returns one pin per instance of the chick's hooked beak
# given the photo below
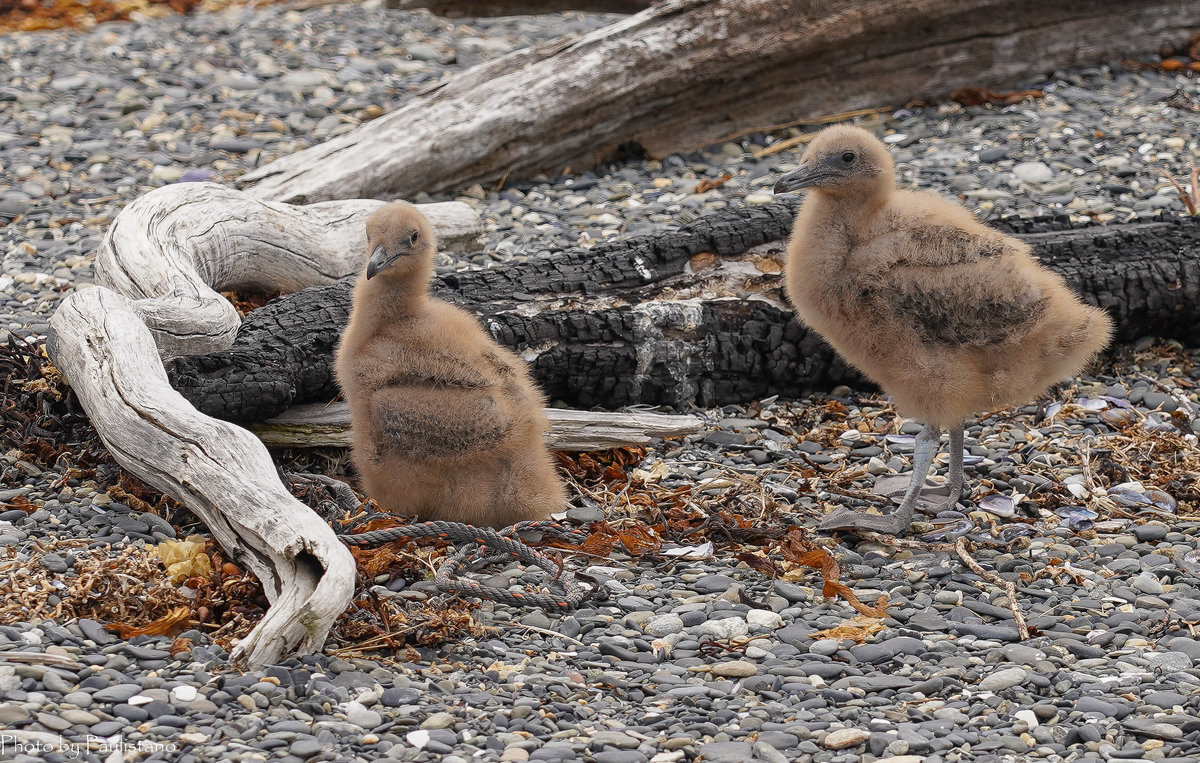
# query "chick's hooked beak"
(803, 176)
(381, 258)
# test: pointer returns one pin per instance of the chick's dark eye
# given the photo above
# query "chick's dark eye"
(848, 157)
(412, 238)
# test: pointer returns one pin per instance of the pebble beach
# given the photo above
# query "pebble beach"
(1087, 503)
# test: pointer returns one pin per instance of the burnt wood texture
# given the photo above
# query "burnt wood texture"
(690, 316)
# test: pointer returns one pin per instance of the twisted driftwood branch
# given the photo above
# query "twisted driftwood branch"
(218, 470)
(174, 248)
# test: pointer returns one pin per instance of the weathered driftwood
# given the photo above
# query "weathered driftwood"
(174, 248)
(218, 470)
(316, 425)
(676, 318)
(685, 73)
(476, 8)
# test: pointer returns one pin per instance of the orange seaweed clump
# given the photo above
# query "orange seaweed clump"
(38, 15)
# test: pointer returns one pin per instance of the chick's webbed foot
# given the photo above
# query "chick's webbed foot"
(842, 518)
(911, 485)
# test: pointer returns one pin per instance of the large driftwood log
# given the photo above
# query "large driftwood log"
(476, 8)
(174, 248)
(684, 73)
(693, 316)
(219, 471)
(311, 426)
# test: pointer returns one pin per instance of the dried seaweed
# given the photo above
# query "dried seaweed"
(712, 184)
(391, 623)
(40, 418)
(174, 622)
(130, 587)
(796, 547)
(857, 629)
(978, 96)
(37, 15)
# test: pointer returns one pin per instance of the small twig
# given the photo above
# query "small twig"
(862, 495)
(40, 658)
(382, 638)
(826, 468)
(503, 179)
(895, 542)
(1181, 400)
(784, 145)
(961, 548)
(1189, 200)
(543, 631)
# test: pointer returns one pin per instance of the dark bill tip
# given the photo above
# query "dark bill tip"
(799, 178)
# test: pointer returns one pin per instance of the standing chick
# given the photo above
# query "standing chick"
(447, 424)
(949, 316)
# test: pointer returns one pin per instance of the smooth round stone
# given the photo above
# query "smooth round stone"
(825, 647)
(54, 563)
(107, 728)
(763, 618)
(1146, 583)
(1003, 679)
(115, 694)
(664, 625)
(790, 591)
(78, 698)
(1033, 172)
(724, 628)
(1168, 662)
(1095, 705)
(1150, 532)
(397, 696)
(844, 738)
(726, 752)
(735, 669)
(440, 720)
(362, 716)
(79, 717)
(305, 747)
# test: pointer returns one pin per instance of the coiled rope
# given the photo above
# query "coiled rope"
(476, 548)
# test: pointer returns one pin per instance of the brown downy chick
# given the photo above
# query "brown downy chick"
(948, 316)
(447, 424)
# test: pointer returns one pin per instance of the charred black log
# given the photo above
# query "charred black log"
(692, 316)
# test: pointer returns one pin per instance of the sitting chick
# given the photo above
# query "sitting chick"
(447, 424)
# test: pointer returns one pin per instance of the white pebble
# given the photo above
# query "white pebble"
(764, 618)
(724, 629)
(184, 693)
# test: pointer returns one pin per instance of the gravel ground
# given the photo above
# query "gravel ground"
(694, 655)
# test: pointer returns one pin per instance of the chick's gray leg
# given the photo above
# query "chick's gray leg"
(956, 466)
(925, 449)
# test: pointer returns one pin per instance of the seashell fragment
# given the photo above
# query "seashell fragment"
(1000, 505)
(948, 525)
(1011, 532)
(1132, 495)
